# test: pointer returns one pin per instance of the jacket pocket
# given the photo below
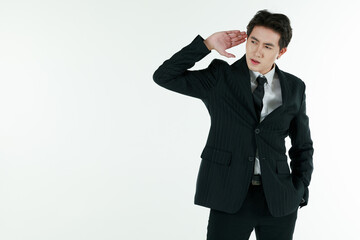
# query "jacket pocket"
(215, 155)
(282, 167)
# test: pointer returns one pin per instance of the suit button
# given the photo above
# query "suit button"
(257, 131)
(251, 159)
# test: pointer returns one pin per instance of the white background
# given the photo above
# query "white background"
(91, 148)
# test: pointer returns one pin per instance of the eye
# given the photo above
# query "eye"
(252, 41)
(268, 47)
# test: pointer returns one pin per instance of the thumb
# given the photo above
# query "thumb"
(226, 54)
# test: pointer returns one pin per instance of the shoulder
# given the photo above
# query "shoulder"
(292, 79)
(219, 62)
(218, 65)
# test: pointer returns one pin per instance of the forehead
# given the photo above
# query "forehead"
(265, 35)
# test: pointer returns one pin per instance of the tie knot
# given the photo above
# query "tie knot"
(261, 80)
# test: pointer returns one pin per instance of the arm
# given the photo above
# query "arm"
(174, 75)
(302, 150)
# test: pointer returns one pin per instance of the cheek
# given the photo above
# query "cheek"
(248, 47)
(272, 57)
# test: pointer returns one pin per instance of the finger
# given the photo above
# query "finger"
(237, 38)
(236, 33)
(233, 32)
(235, 43)
(243, 35)
(233, 35)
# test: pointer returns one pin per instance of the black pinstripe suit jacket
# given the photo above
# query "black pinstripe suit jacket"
(227, 163)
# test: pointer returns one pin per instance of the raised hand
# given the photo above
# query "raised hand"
(220, 41)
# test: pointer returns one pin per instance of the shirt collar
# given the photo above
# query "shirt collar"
(269, 75)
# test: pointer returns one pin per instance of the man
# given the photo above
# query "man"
(244, 176)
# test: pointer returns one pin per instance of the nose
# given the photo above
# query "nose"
(259, 52)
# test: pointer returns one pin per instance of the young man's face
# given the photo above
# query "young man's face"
(262, 49)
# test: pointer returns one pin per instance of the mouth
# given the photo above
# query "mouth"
(254, 61)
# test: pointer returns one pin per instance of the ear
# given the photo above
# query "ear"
(282, 51)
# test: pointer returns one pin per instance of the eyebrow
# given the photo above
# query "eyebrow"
(268, 44)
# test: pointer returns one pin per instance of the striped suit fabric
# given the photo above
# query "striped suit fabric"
(227, 159)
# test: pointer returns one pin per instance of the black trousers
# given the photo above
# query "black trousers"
(254, 213)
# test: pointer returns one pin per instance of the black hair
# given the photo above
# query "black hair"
(275, 21)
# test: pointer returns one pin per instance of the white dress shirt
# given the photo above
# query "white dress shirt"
(272, 100)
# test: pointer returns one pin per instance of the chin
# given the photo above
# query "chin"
(253, 68)
(248, 62)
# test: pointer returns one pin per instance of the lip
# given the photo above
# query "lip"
(254, 61)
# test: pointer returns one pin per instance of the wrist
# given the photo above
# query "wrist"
(208, 45)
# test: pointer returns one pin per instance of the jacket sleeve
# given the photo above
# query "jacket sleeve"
(301, 151)
(174, 75)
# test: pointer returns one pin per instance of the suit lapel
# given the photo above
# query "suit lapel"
(241, 75)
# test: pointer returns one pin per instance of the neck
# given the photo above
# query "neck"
(269, 69)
